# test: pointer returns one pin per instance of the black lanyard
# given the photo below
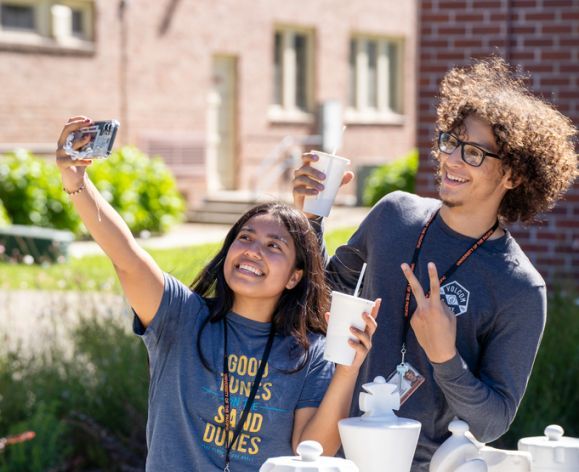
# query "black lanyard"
(446, 275)
(226, 395)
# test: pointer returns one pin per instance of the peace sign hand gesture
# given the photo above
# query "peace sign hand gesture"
(433, 323)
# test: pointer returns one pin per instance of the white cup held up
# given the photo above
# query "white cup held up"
(333, 167)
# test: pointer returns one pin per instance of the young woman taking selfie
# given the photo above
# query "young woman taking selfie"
(237, 373)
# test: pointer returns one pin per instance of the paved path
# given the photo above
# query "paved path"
(189, 234)
(34, 320)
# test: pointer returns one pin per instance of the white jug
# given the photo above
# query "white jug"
(552, 452)
(379, 440)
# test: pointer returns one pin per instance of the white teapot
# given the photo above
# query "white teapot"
(310, 459)
(461, 452)
(379, 440)
(552, 452)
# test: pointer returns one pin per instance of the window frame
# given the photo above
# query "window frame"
(287, 88)
(42, 38)
(389, 107)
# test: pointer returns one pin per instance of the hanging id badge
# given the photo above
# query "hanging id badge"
(406, 378)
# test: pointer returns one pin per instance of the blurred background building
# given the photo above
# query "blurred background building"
(228, 92)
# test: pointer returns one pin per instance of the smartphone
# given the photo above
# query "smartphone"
(102, 133)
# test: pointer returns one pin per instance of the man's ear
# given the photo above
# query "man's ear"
(511, 182)
(294, 279)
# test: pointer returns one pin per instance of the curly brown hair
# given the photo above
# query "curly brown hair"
(535, 141)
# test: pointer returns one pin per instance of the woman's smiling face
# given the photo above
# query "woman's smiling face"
(260, 263)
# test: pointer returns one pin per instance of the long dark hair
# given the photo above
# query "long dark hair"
(299, 310)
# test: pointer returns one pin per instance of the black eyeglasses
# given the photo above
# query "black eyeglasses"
(470, 153)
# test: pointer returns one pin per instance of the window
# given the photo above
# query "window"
(375, 92)
(47, 24)
(292, 75)
(77, 23)
(17, 17)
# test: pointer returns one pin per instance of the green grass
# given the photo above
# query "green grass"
(96, 273)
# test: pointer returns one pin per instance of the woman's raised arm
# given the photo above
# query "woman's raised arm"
(140, 276)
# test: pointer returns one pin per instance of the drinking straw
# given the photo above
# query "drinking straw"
(336, 148)
(360, 280)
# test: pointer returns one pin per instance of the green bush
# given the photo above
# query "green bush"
(87, 407)
(45, 450)
(399, 174)
(4, 218)
(31, 190)
(551, 396)
(141, 189)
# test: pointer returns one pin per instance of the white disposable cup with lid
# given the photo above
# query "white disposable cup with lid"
(345, 311)
(333, 167)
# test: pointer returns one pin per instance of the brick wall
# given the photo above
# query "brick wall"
(540, 36)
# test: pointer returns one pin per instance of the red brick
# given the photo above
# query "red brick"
(427, 17)
(523, 29)
(566, 250)
(523, 3)
(457, 30)
(556, 55)
(542, 17)
(469, 17)
(488, 4)
(499, 17)
(543, 67)
(447, 5)
(462, 43)
(550, 261)
(484, 30)
(436, 68)
(544, 235)
(559, 28)
(558, 3)
(433, 44)
(535, 41)
(535, 247)
(569, 95)
(572, 68)
(568, 223)
(570, 15)
(426, 5)
(455, 54)
(569, 42)
(564, 80)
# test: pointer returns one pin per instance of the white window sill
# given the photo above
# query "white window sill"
(32, 42)
(373, 117)
(277, 114)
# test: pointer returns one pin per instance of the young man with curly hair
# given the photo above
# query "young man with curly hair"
(502, 156)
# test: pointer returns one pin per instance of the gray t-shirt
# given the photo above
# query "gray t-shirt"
(185, 423)
(497, 295)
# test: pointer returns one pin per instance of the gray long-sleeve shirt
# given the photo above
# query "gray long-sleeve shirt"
(500, 302)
